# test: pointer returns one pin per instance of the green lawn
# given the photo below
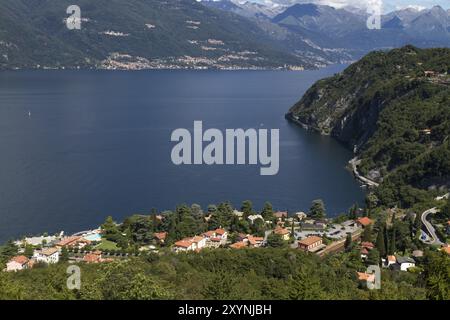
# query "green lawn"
(106, 245)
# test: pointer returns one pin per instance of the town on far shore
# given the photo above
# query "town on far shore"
(190, 230)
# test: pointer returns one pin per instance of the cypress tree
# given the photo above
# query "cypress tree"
(381, 245)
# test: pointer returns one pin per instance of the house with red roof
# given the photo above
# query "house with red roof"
(311, 244)
(160, 236)
(283, 232)
(239, 245)
(280, 215)
(195, 243)
(364, 222)
(17, 263)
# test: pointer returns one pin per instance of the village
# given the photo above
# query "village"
(299, 231)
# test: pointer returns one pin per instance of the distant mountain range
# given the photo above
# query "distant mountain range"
(140, 34)
(135, 34)
(342, 34)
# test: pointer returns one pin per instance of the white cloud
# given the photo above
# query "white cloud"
(388, 5)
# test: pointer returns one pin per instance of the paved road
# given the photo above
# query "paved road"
(354, 163)
(431, 231)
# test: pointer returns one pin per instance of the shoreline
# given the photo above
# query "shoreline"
(354, 162)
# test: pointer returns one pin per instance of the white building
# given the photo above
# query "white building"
(405, 263)
(49, 255)
(17, 263)
(255, 217)
(301, 215)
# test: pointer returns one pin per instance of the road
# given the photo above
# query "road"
(354, 163)
(431, 231)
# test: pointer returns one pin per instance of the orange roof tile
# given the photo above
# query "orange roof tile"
(183, 243)
(365, 221)
(362, 276)
(310, 240)
(220, 231)
(368, 245)
(281, 231)
(160, 235)
(209, 233)
(20, 259)
(238, 245)
(92, 258)
(49, 251)
(68, 241)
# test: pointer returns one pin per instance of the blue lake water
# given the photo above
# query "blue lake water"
(97, 143)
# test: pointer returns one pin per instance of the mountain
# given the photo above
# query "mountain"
(393, 108)
(247, 9)
(135, 34)
(346, 28)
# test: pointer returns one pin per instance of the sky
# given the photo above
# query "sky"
(388, 5)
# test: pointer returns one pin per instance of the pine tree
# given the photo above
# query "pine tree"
(380, 243)
(317, 210)
(367, 234)
(348, 242)
(392, 242)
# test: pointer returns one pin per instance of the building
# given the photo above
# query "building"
(17, 263)
(254, 217)
(93, 257)
(300, 215)
(280, 215)
(366, 277)
(238, 214)
(446, 249)
(417, 254)
(49, 255)
(283, 232)
(405, 263)
(183, 246)
(160, 236)
(254, 242)
(73, 241)
(239, 245)
(221, 234)
(311, 244)
(364, 222)
(190, 244)
(391, 260)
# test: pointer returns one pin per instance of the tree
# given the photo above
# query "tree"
(197, 211)
(267, 212)
(437, 275)
(247, 208)
(8, 250)
(348, 245)
(275, 241)
(373, 257)
(29, 250)
(371, 201)
(317, 210)
(445, 212)
(392, 243)
(418, 225)
(380, 243)
(367, 234)
(109, 229)
(353, 212)
(64, 255)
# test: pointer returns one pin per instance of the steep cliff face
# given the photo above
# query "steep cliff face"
(394, 107)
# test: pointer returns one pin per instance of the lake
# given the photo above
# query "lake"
(77, 146)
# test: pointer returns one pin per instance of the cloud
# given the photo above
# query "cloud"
(388, 5)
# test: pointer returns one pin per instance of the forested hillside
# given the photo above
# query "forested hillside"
(223, 274)
(392, 108)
